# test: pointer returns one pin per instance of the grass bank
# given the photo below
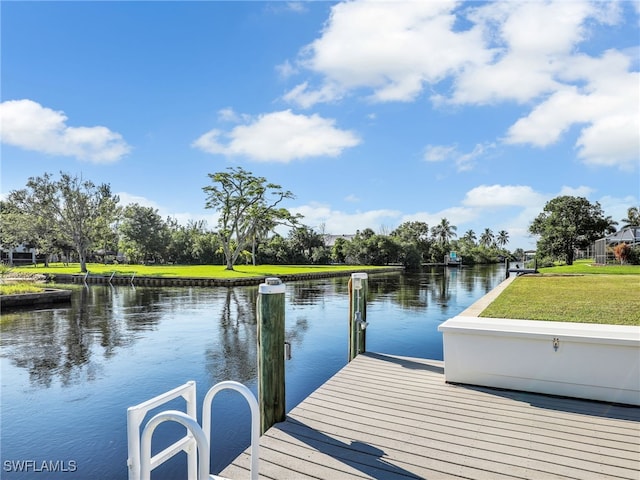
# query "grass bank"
(587, 267)
(20, 288)
(192, 271)
(601, 298)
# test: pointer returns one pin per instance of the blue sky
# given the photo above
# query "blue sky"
(371, 113)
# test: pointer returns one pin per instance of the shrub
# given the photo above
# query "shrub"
(545, 261)
(621, 251)
(633, 257)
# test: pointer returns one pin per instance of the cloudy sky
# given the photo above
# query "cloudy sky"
(371, 113)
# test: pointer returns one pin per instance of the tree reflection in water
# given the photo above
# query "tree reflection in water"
(63, 342)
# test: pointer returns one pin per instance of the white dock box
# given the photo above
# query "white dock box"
(582, 360)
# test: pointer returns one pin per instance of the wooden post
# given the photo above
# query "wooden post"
(271, 391)
(507, 266)
(357, 287)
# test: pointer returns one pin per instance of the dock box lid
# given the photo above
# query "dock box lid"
(582, 332)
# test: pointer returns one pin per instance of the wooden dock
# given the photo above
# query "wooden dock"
(389, 418)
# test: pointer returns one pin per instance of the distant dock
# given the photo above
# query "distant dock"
(389, 417)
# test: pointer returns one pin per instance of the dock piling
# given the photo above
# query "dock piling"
(357, 287)
(271, 354)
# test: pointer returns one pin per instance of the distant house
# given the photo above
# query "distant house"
(603, 247)
(20, 255)
(330, 240)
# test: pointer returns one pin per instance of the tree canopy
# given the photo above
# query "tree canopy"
(145, 236)
(71, 210)
(568, 223)
(245, 204)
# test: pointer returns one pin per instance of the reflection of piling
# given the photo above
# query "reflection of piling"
(270, 311)
(357, 287)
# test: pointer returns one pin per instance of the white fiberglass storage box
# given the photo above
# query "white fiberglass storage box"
(597, 362)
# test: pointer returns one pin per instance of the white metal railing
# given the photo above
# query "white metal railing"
(148, 463)
(255, 418)
(135, 417)
(196, 443)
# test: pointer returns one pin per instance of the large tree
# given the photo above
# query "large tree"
(70, 210)
(444, 232)
(145, 235)
(503, 238)
(416, 234)
(487, 238)
(244, 202)
(566, 224)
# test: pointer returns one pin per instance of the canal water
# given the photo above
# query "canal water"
(69, 373)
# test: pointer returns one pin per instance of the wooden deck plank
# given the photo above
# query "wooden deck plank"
(483, 417)
(396, 418)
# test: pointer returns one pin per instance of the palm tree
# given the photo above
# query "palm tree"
(503, 238)
(633, 217)
(470, 237)
(444, 231)
(487, 238)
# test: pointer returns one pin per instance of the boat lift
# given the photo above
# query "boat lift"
(196, 443)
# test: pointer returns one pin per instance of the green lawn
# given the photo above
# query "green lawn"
(588, 267)
(191, 271)
(20, 287)
(604, 298)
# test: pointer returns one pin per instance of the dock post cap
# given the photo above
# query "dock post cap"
(356, 280)
(271, 285)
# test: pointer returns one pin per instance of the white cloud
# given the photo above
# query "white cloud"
(305, 97)
(228, 114)
(128, 199)
(298, 7)
(392, 51)
(29, 125)
(463, 161)
(339, 222)
(439, 153)
(607, 107)
(456, 215)
(617, 207)
(490, 196)
(525, 63)
(286, 69)
(280, 137)
(581, 191)
(391, 48)
(395, 49)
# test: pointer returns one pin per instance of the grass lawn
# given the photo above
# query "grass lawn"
(603, 298)
(190, 271)
(20, 287)
(587, 267)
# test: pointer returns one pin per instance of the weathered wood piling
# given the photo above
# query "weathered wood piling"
(357, 287)
(271, 354)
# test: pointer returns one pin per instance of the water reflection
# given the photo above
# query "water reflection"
(234, 356)
(68, 374)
